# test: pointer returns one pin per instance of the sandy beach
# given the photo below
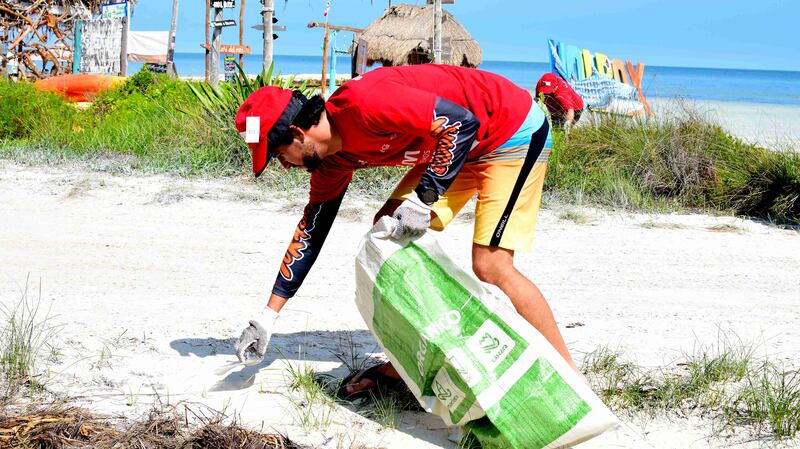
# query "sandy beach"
(151, 278)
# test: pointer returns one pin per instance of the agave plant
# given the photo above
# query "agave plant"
(223, 100)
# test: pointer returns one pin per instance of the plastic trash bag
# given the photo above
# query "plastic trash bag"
(467, 356)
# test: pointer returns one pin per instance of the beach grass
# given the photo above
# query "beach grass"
(677, 162)
(723, 382)
(680, 161)
(314, 408)
(26, 338)
(769, 402)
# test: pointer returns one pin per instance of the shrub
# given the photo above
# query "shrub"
(675, 162)
(27, 112)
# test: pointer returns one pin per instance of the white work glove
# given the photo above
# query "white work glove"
(252, 344)
(413, 218)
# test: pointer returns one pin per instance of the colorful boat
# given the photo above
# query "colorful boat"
(79, 87)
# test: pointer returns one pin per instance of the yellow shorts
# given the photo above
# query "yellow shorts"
(509, 194)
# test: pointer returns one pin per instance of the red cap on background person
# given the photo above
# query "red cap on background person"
(547, 83)
(263, 117)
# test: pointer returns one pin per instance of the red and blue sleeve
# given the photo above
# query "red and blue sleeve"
(309, 236)
(453, 129)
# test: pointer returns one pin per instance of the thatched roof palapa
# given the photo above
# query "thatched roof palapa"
(404, 35)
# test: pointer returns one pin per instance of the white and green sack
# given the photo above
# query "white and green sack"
(466, 355)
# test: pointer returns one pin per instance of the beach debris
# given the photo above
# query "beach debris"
(164, 427)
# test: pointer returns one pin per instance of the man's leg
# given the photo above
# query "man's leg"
(495, 266)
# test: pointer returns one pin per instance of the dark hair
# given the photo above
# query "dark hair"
(309, 116)
(310, 113)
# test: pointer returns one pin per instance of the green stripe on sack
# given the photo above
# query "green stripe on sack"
(536, 411)
(414, 296)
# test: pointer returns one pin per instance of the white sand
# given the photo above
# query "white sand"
(772, 126)
(152, 277)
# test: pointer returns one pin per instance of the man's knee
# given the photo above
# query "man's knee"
(388, 208)
(492, 270)
(492, 264)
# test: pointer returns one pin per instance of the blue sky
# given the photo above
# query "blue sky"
(699, 33)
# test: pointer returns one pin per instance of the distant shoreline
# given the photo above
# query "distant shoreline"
(542, 62)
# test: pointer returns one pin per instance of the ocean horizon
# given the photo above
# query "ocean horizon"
(693, 83)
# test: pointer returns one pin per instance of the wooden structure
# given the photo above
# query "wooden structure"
(328, 28)
(404, 35)
(37, 37)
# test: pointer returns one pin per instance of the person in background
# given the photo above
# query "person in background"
(564, 104)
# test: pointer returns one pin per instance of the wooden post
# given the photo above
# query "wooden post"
(215, 44)
(208, 24)
(123, 51)
(77, 47)
(324, 58)
(241, 33)
(171, 70)
(267, 11)
(437, 31)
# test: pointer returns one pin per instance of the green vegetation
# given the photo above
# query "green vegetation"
(723, 382)
(674, 163)
(769, 402)
(25, 340)
(312, 405)
(150, 123)
(155, 124)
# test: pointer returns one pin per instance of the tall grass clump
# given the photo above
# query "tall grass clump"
(25, 334)
(677, 161)
(769, 401)
(315, 407)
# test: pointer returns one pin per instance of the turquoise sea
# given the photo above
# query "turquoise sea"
(733, 85)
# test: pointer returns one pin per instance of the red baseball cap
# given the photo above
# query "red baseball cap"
(547, 83)
(256, 117)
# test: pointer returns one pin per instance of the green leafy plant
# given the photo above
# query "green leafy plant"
(223, 100)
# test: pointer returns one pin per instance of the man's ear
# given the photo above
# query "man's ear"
(297, 133)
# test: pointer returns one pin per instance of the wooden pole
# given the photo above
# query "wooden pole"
(241, 33)
(328, 28)
(324, 58)
(123, 51)
(208, 24)
(266, 13)
(171, 71)
(215, 44)
(437, 31)
(334, 27)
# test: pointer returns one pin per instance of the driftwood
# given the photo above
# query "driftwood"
(39, 35)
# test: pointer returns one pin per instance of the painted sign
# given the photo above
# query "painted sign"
(230, 68)
(601, 78)
(114, 10)
(223, 3)
(231, 49)
(156, 68)
(230, 63)
(224, 23)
